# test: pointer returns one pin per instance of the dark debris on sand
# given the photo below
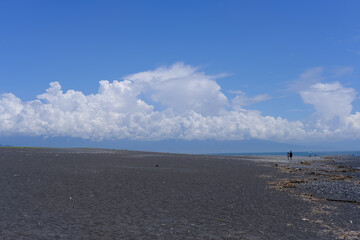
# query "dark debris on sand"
(331, 185)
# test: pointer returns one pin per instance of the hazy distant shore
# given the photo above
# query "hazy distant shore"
(117, 194)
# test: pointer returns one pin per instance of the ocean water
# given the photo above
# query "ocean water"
(320, 153)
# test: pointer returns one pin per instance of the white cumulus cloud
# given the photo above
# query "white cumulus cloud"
(176, 102)
(181, 88)
(333, 117)
(330, 100)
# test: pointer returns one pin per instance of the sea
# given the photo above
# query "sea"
(302, 154)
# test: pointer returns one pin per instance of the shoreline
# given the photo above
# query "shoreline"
(348, 153)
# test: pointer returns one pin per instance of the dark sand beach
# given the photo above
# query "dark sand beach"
(114, 194)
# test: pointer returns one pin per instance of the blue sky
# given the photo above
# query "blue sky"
(281, 71)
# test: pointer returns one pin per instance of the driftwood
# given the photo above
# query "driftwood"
(341, 200)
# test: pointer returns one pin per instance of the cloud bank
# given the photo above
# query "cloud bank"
(176, 102)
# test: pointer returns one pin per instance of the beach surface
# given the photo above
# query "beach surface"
(118, 194)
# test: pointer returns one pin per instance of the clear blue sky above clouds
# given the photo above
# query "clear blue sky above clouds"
(195, 70)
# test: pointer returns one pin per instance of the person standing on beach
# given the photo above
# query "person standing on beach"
(290, 155)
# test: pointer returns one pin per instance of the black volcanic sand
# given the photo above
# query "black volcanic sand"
(113, 194)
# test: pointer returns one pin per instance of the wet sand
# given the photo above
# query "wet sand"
(113, 194)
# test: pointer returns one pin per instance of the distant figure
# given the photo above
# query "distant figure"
(290, 155)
